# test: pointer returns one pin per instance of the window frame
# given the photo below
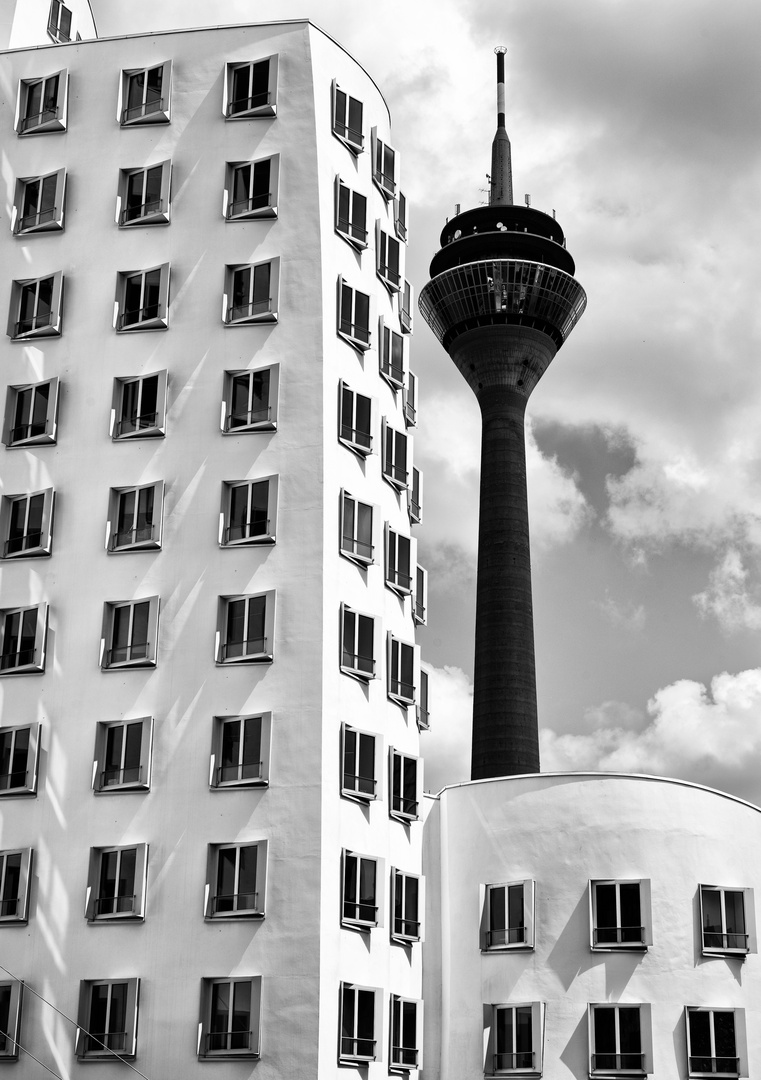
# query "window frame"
(36, 665)
(254, 112)
(84, 1019)
(398, 812)
(20, 913)
(155, 430)
(355, 146)
(394, 473)
(352, 790)
(349, 541)
(492, 1064)
(409, 399)
(268, 424)
(403, 927)
(54, 222)
(356, 921)
(401, 227)
(150, 543)
(216, 782)
(136, 911)
(156, 215)
(49, 434)
(13, 1024)
(749, 922)
(357, 335)
(396, 578)
(393, 374)
(160, 115)
(253, 1050)
(740, 1036)
(355, 439)
(391, 278)
(150, 659)
(269, 536)
(355, 670)
(43, 548)
(415, 505)
(31, 769)
(404, 1058)
(349, 230)
(261, 656)
(158, 321)
(405, 299)
(210, 913)
(524, 934)
(645, 1036)
(143, 781)
(55, 31)
(420, 596)
(268, 316)
(422, 708)
(56, 122)
(352, 1056)
(398, 655)
(386, 184)
(646, 937)
(53, 326)
(251, 212)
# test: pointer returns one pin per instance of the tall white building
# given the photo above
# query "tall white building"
(210, 781)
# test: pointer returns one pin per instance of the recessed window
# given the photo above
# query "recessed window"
(516, 1040)
(415, 497)
(23, 633)
(240, 752)
(351, 215)
(361, 897)
(620, 1041)
(249, 512)
(716, 1042)
(391, 356)
(360, 1023)
(251, 293)
(42, 104)
(620, 914)
(388, 257)
(107, 1018)
(420, 601)
(230, 1018)
(384, 166)
(347, 119)
(359, 758)
(356, 529)
(123, 754)
(406, 1049)
(245, 629)
(10, 1019)
(145, 95)
(134, 518)
(250, 400)
(408, 905)
(422, 712)
(353, 316)
(405, 307)
(251, 89)
(130, 634)
(400, 216)
(357, 644)
(507, 920)
(236, 880)
(38, 203)
(116, 883)
(31, 414)
(19, 748)
(26, 523)
(138, 409)
(402, 662)
(394, 456)
(410, 400)
(142, 299)
(59, 22)
(406, 781)
(15, 869)
(398, 561)
(356, 420)
(251, 189)
(144, 195)
(727, 919)
(36, 308)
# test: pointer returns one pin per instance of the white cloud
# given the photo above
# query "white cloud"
(727, 596)
(557, 508)
(623, 614)
(447, 746)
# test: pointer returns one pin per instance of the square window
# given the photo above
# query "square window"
(360, 763)
(36, 308)
(107, 1018)
(388, 256)
(251, 293)
(240, 751)
(408, 900)
(351, 215)
(415, 497)
(123, 755)
(357, 644)
(19, 753)
(400, 216)
(59, 22)
(41, 104)
(420, 603)
(246, 629)
(38, 203)
(11, 993)
(26, 524)
(130, 634)
(405, 307)
(15, 876)
(399, 561)
(727, 918)
(406, 1050)
(229, 1025)
(251, 189)
(515, 1042)
(135, 518)
(250, 400)
(116, 883)
(620, 1040)
(142, 299)
(144, 196)
(391, 356)
(406, 784)
(356, 420)
(384, 166)
(410, 400)
(145, 95)
(360, 1024)
(138, 408)
(353, 316)
(347, 119)
(395, 468)
(620, 914)
(236, 880)
(356, 529)
(716, 1042)
(403, 662)
(249, 512)
(23, 633)
(250, 89)
(507, 920)
(31, 414)
(423, 715)
(361, 900)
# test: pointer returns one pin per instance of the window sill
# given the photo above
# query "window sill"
(28, 553)
(249, 320)
(49, 127)
(353, 241)
(355, 673)
(146, 219)
(400, 485)
(253, 658)
(251, 541)
(121, 665)
(22, 669)
(357, 448)
(43, 227)
(42, 331)
(266, 212)
(353, 147)
(160, 323)
(734, 954)
(359, 344)
(621, 946)
(160, 116)
(234, 915)
(260, 112)
(405, 819)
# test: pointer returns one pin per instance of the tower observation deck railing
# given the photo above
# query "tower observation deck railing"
(498, 292)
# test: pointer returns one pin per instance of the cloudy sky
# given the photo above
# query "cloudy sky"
(638, 122)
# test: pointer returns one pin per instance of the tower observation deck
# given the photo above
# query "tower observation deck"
(502, 299)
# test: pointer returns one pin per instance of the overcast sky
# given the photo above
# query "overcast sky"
(639, 123)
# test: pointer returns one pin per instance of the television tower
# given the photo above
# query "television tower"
(502, 299)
